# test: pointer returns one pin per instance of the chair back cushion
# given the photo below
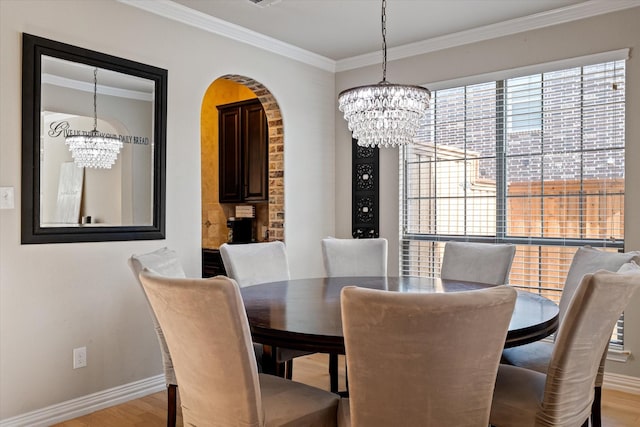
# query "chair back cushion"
(581, 340)
(424, 359)
(477, 262)
(207, 331)
(589, 260)
(165, 262)
(355, 257)
(254, 263)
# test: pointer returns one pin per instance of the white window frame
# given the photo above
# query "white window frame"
(616, 349)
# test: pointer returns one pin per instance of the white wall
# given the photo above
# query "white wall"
(599, 34)
(54, 297)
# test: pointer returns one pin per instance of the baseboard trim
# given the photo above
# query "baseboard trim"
(623, 383)
(86, 404)
(103, 399)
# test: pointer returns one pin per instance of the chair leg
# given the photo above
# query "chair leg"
(333, 372)
(346, 376)
(269, 364)
(596, 408)
(289, 370)
(280, 370)
(172, 398)
(586, 423)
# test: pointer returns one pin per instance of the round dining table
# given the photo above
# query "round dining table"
(304, 314)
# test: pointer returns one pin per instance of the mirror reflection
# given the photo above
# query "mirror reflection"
(93, 145)
(74, 191)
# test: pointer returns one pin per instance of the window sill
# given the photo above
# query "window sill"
(621, 356)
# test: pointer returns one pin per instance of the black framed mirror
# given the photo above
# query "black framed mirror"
(93, 145)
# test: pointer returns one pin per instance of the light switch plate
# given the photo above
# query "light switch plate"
(6, 198)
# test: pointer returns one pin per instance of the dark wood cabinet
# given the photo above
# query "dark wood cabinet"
(243, 152)
(212, 264)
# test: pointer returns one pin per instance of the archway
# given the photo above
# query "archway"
(226, 89)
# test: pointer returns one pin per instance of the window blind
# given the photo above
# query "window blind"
(535, 160)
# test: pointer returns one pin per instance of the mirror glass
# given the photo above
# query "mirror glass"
(72, 190)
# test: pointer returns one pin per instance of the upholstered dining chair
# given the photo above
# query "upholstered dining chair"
(430, 374)
(254, 263)
(355, 257)
(537, 355)
(207, 331)
(477, 262)
(164, 261)
(352, 257)
(564, 395)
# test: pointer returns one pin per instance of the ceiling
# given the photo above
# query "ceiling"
(339, 31)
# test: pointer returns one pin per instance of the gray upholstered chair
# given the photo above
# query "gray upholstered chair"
(352, 257)
(430, 374)
(537, 355)
(254, 263)
(564, 395)
(207, 331)
(477, 262)
(355, 257)
(164, 261)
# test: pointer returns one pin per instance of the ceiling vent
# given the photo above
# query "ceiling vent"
(264, 3)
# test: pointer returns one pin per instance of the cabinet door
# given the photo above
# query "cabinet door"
(230, 174)
(255, 152)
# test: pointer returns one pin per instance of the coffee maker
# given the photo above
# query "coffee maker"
(240, 230)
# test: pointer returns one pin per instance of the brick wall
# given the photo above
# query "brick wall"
(276, 154)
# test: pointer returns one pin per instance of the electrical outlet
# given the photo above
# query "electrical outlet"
(79, 357)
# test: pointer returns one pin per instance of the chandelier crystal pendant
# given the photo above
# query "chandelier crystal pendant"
(93, 149)
(384, 114)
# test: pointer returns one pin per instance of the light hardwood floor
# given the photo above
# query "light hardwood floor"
(619, 409)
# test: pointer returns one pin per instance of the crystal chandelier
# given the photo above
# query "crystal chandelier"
(384, 114)
(93, 149)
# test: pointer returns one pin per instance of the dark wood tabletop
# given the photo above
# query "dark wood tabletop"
(304, 314)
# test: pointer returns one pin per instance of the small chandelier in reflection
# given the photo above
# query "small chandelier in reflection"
(384, 114)
(93, 149)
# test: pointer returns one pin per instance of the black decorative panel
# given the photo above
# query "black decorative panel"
(365, 202)
(364, 176)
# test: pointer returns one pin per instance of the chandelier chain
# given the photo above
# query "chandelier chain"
(384, 41)
(95, 101)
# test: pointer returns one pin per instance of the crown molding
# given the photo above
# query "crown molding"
(101, 89)
(177, 12)
(501, 29)
(194, 18)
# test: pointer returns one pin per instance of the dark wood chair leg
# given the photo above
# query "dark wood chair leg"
(172, 402)
(269, 364)
(280, 370)
(289, 370)
(596, 408)
(346, 376)
(333, 372)
(586, 423)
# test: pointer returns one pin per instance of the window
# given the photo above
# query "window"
(535, 160)
(524, 103)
